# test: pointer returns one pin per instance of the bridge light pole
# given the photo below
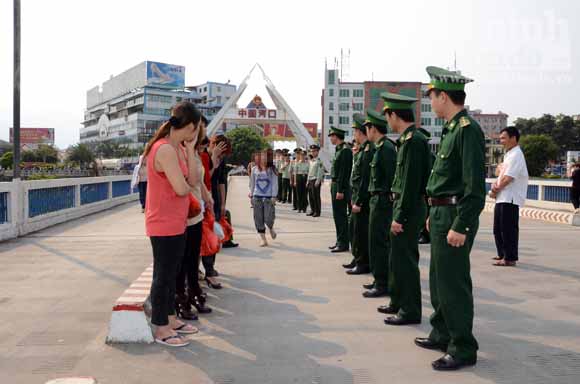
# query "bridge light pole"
(16, 102)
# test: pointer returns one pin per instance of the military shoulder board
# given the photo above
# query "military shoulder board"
(464, 122)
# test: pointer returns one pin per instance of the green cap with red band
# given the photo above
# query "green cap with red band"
(446, 80)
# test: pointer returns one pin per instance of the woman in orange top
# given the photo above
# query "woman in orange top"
(171, 177)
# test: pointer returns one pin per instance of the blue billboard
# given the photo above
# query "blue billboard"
(165, 75)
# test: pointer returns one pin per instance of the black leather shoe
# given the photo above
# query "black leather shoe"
(398, 320)
(369, 286)
(450, 363)
(338, 250)
(388, 310)
(372, 293)
(317, 215)
(333, 246)
(359, 270)
(427, 343)
(424, 240)
(350, 265)
(310, 214)
(230, 244)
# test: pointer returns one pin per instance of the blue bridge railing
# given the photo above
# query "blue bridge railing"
(121, 188)
(4, 208)
(92, 193)
(45, 200)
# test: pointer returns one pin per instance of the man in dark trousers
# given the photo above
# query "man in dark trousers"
(456, 190)
(361, 172)
(409, 210)
(509, 191)
(315, 179)
(340, 188)
(380, 206)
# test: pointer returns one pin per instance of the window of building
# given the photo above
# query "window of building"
(331, 77)
(218, 99)
(357, 93)
(343, 107)
(425, 121)
(439, 122)
(357, 106)
(331, 106)
(343, 120)
(344, 93)
(331, 92)
(330, 120)
(219, 89)
(425, 107)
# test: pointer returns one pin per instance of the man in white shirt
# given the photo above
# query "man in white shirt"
(509, 191)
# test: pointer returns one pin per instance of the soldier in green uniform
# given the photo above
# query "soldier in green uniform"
(315, 179)
(293, 190)
(340, 188)
(409, 210)
(286, 192)
(278, 164)
(380, 206)
(300, 179)
(360, 198)
(456, 190)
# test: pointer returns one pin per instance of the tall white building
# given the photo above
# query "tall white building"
(340, 100)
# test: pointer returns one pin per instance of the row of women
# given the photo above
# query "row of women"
(186, 183)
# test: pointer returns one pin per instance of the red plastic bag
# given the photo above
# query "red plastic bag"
(228, 229)
(210, 244)
(194, 208)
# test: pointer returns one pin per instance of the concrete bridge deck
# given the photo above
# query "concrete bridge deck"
(287, 314)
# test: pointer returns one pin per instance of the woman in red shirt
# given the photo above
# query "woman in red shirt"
(171, 177)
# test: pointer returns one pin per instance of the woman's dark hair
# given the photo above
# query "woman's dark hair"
(457, 97)
(270, 161)
(182, 114)
(406, 115)
(511, 132)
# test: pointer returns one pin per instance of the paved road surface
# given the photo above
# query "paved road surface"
(288, 313)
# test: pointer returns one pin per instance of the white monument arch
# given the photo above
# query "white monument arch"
(283, 114)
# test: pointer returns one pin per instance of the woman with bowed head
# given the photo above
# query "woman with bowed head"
(170, 183)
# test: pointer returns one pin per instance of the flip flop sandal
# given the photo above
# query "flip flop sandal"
(503, 263)
(165, 340)
(181, 329)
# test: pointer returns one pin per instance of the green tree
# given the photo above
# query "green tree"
(538, 150)
(46, 154)
(245, 142)
(29, 157)
(7, 160)
(81, 154)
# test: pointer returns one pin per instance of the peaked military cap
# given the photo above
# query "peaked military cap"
(315, 146)
(396, 101)
(358, 121)
(376, 119)
(337, 132)
(446, 80)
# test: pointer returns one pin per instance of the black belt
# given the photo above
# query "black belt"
(442, 201)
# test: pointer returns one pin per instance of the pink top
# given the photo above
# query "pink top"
(165, 211)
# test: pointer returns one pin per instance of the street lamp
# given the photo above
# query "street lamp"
(16, 114)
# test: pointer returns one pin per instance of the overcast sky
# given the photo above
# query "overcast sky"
(523, 54)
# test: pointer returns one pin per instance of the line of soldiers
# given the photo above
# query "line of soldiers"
(379, 202)
(300, 179)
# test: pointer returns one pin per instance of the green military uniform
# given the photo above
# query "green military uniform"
(456, 191)
(409, 209)
(293, 191)
(381, 208)
(315, 179)
(286, 188)
(301, 175)
(359, 181)
(340, 175)
(278, 163)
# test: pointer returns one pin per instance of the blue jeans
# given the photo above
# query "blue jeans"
(142, 193)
